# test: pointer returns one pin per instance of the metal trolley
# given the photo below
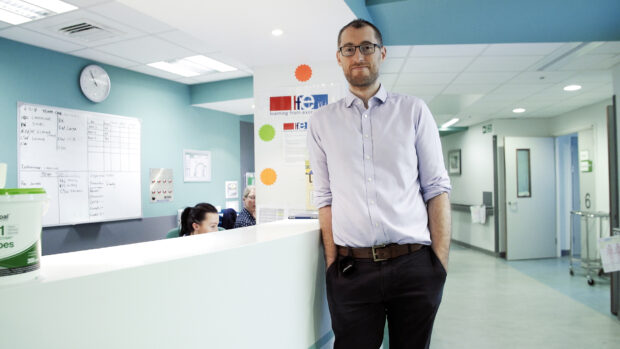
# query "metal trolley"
(589, 261)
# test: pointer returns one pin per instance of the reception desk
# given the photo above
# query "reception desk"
(255, 287)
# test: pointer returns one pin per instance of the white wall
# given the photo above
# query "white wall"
(564, 190)
(591, 124)
(476, 177)
(477, 166)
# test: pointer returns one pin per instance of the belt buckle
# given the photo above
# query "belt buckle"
(374, 253)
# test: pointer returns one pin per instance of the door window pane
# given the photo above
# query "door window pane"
(523, 173)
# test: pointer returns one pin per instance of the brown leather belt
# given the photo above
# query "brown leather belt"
(379, 252)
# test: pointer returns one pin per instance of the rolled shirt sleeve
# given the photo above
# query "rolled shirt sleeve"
(322, 195)
(432, 172)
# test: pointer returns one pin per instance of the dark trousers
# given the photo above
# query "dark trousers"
(407, 290)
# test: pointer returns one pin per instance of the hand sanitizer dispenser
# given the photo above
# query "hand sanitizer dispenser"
(2, 175)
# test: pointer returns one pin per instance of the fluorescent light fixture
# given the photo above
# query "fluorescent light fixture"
(450, 123)
(18, 12)
(572, 88)
(209, 63)
(56, 6)
(518, 110)
(192, 66)
(277, 32)
(174, 68)
(11, 18)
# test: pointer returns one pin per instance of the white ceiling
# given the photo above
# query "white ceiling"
(479, 82)
(472, 82)
(139, 40)
(243, 106)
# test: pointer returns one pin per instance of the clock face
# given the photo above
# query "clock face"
(95, 83)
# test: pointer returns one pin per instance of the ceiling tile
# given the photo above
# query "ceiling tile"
(222, 76)
(397, 51)
(484, 77)
(611, 47)
(436, 64)
(526, 49)
(419, 89)
(187, 81)
(228, 59)
(146, 49)
(236, 106)
(589, 62)
(49, 26)
(37, 39)
(145, 69)
(469, 88)
(511, 89)
(130, 17)
(446, 50)
(103, 57)
(86, 3)
(388, 80)
(392, 65)
(182, 39)
(597, 76)
(535, 77)
(425, 78)
(503, 63)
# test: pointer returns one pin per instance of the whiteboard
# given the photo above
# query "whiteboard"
(88, 163)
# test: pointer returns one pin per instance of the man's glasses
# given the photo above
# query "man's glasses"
(365, 49)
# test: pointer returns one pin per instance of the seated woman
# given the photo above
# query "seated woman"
(247, 216)
(200, 219)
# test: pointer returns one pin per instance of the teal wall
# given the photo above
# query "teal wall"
(222, 90)
(247, 118)
(169, 122)
(427, 22)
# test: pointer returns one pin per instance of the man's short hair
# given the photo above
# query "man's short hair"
(360, 23)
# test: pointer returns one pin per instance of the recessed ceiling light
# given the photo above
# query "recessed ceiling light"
(572, 87)
(277, 32)
(518, 110)
(17, 12)
(450, 123)
(253, 106)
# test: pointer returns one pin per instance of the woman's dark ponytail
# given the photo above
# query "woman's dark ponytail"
(186, 222)
(190, 216)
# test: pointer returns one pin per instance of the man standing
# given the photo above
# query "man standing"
(382, 191)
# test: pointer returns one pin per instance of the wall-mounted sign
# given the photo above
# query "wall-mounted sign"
(487, 128)
(232, 189)
(197, 166)
(161, 185)
(585, 165)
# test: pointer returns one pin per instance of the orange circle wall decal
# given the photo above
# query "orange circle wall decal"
(303, 72)
(268, 176)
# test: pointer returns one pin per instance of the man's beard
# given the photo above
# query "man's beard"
(362, 80)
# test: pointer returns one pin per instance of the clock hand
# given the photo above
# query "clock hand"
(94, 80)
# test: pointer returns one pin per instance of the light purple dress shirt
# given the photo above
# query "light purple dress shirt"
(377, 168)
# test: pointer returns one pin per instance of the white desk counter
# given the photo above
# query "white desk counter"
(255, 287)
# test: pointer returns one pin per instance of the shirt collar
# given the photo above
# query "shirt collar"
(381, 95)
